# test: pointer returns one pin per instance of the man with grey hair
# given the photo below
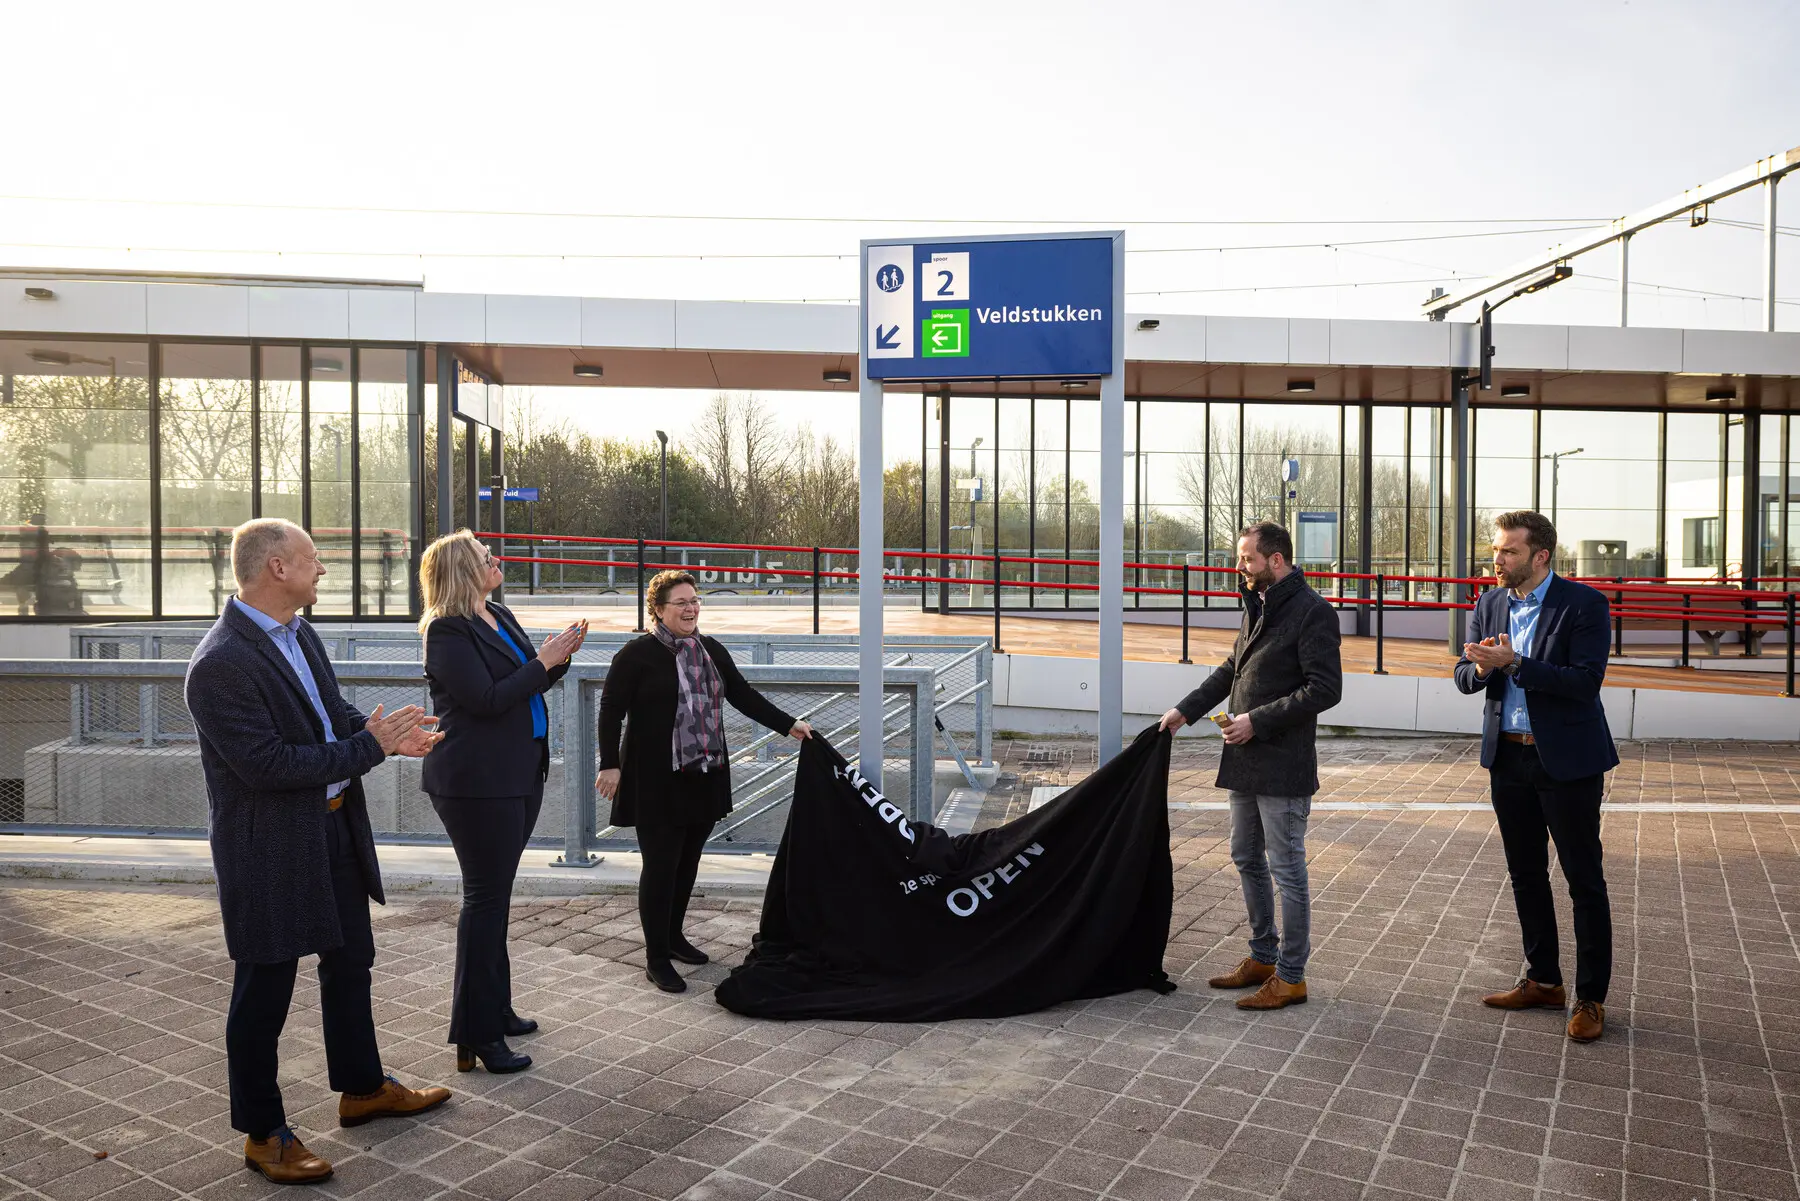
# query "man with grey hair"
(293, 852)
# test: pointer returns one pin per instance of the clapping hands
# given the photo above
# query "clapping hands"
(560, 648)
(404, 732)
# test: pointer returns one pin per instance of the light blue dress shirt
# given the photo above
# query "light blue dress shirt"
(1521, 627)
(287, 637)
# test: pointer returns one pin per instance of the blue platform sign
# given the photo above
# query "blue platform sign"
(1024, 308)
(524, 494)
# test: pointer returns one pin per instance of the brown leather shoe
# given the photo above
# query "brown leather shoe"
(1588, 1022)
(1247, 974)
(1275, 993)
(284, 1159)
(392, 1099)
(1528, 994)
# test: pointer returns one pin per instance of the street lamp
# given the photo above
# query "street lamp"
(1556, 458)
(663, 473)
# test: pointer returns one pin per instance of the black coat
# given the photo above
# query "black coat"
(641, 684)
(1563, 669)
(1283, 671)
(267, 767)
(482, 694)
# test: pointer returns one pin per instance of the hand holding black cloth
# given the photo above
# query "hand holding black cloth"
(872, 917)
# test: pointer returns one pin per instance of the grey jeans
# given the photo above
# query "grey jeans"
(1268, 839)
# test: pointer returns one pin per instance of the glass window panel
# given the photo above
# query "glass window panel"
(74, 478)
(1012, 492)
(1596, 483)
(1050, 502)
(330, 435)
(1308, 436)
(385, 433)
(1387, 491)
(206, 484)
(1698, 489)
(279, 374)
(1425, 555)
(1174, 484)
(1227, 518)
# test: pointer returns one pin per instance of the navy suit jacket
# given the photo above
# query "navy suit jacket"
(267, 766)
(1563, 669)
(481, 695)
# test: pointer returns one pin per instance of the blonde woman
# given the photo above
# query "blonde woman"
(673, 780)
(486, 780)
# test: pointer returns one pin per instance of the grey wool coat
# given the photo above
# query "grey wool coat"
(267, 766)
(1284, 670)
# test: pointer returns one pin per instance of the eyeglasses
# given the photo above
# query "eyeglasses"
(692, 602)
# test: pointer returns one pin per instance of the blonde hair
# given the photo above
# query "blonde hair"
(656, 592)
(452, 578)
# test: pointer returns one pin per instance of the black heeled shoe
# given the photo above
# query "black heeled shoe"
(496, 1057)
(683, 951)
(662, 974)
(516, 1025)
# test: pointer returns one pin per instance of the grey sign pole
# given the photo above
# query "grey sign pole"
(868, 571)
(1112, 523)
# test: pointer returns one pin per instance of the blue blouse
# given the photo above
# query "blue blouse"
(540, 717)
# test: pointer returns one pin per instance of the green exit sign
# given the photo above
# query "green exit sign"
(945, 334)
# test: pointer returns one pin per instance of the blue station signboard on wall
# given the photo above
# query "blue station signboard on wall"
(989, 309)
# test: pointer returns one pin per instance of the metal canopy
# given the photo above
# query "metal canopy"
(1764, 171)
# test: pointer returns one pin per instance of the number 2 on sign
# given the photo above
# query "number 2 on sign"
(945, 276)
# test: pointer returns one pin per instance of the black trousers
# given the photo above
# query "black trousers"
(671, 861)
(1533, 810)
(261, 993)
(489, 834)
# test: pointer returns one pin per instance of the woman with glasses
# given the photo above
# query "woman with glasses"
(672, 778)
(487, 689)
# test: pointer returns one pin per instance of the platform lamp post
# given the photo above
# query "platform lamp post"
(1556, 458)
(1460, 380)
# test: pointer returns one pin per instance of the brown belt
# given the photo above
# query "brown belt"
(1522, 739)
(337, 802)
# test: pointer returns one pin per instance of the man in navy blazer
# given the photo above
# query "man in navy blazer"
(1537, 653)
(293, 851)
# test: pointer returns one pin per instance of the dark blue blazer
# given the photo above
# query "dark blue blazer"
(481, 695)
(267, 766)
(1562, 673)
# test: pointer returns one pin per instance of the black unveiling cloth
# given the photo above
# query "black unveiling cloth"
(872, 917)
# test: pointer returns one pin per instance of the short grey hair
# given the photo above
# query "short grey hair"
(254, 543)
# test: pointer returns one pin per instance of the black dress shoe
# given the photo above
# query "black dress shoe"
(496, 1057)
(516, 1025)
(683, 951)
(662, 974)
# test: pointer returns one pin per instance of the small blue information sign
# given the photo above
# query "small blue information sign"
(1025, 308)
(525, 494)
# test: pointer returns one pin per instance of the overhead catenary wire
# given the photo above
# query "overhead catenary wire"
(408, 211)
(689, 256)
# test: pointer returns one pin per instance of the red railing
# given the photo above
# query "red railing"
(1648, 595)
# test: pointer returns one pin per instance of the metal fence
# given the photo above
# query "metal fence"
(964, 666)
(104, 743)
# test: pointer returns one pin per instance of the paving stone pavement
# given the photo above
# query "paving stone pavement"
(1393, 1082)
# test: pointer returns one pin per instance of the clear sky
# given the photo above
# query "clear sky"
(246, 138)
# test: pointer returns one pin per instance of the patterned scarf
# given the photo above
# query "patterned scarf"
(699, 741)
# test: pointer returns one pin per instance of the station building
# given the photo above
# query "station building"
(143, 416)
